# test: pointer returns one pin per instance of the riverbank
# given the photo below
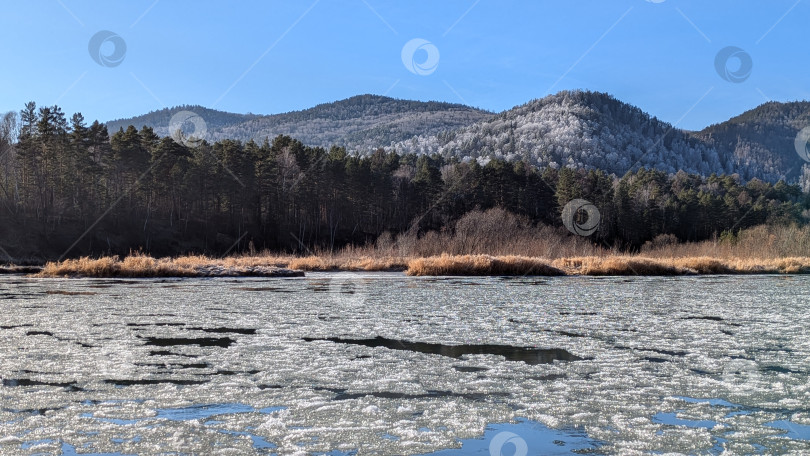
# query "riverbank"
(447, 265)
(135, 266)
(440, 265)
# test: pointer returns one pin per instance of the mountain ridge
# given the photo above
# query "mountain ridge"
(360, 122)
(569, 129)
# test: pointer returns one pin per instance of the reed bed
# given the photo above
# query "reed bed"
(646, 266)
(139, 265)
(266, 264)
(480, 265)
(131, 266)
(492, 242)
(439, 265)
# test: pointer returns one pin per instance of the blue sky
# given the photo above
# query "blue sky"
(268, 56)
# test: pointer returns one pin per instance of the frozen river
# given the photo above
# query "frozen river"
(343, 364)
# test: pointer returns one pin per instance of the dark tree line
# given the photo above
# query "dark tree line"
(66, 187)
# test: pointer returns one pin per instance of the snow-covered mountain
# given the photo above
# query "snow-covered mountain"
(594, 130)
(362, 123)
(569, 129)
(762, 140)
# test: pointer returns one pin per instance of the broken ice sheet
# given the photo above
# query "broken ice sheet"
(682, 365)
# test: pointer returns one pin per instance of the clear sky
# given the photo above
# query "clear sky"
(270, 56)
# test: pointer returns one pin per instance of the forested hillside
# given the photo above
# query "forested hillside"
(362, 123)
(578, 129)
(159, 120)
(762, 139)
(594, 130)
(67, 188)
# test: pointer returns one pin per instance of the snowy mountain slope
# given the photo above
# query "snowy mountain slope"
(582, 129)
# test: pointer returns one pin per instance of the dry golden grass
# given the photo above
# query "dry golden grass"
(480, 265)
(439, 265)
(474, 265)
(367, 263)
(310, 263)
(490, 243)
(638, 265)
(131, 266)
(139, 265)
(618, 266)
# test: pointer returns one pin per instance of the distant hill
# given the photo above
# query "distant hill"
(159, 120)
(762, 140)
(568, 129)
(361, 123)
(595, 130)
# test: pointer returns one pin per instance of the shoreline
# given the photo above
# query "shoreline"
(141, 266)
